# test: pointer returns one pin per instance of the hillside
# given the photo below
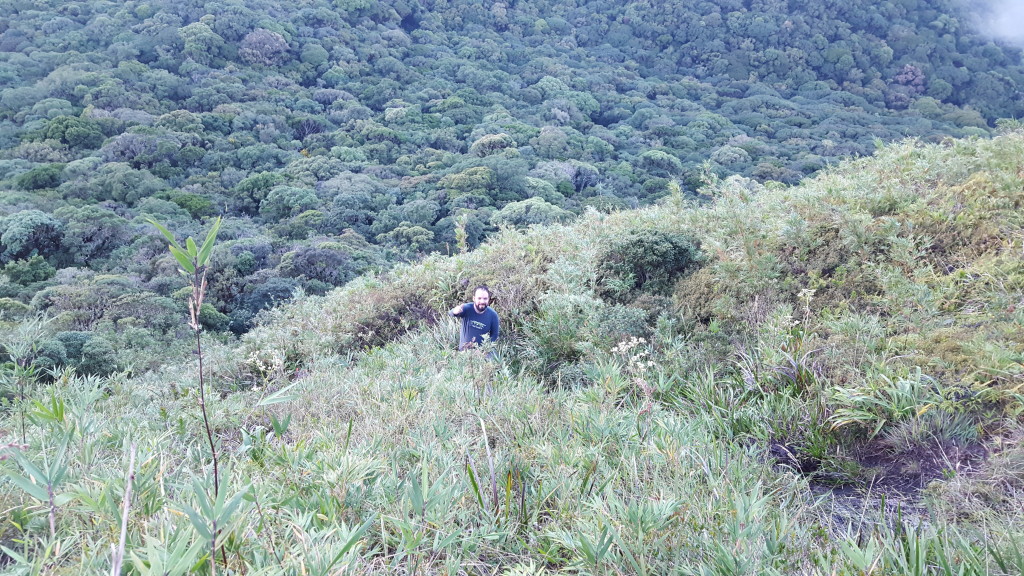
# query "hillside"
(822, 378)
(337, 138)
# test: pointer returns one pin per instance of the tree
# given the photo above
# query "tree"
(415, 239)
(202, 44)
(262, 46)
(40, 177)
(25, 272)
(323, 262)
(90, 233)
(28, 233)
(285, 201)
(529, 212)
(491, 144)
(76, 133)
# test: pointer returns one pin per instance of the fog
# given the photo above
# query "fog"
(1001, 19)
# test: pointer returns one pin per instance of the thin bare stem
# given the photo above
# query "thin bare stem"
(118, 559)
(206, 419)
(20, 375)
(53, 511)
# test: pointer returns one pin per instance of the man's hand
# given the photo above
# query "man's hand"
(457, 311)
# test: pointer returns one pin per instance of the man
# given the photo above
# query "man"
(479, 321)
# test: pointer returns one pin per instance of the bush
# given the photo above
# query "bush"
(48, 176)
(646, 261)
(25, 272)
(98, 357)
(553, 334)
(11, 309)
(50, 354)
(271, 293)
(617, 323)
(73, 342)
(88, 353)
(211, 319)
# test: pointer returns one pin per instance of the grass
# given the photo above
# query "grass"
(872, 311)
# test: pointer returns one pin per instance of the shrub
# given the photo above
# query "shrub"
(25, 272)
(47, 176)
(211, 319)
(11, 309)
(616, 323)
(553, 334)
(274, 291)
(51, 354)
(88, 353)
(646, 261)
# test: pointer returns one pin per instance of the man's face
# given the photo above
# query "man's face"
(480, 300)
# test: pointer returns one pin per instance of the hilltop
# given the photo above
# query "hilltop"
(819, 378)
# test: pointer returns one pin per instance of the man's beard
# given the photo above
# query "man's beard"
(479, 309)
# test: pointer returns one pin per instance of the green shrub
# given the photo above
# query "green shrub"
(646, 261)
(555, 334)
(50, 354)
(211, 319)
(88, 353)
(98, 357)
(617, 322)
(46, 176)
(11, 309)
(25, 272)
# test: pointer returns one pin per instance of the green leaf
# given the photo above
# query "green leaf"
(229, 509)
(34, 472)
(279, 396)
(34, 490)
(352, 541)
(198, 522)
(18, 557)
(183, 259)
(193, 251)
(475, 485)
(203, 499)
(211, 236)
(167, 233)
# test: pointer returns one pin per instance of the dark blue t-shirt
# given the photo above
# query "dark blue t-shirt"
(476, 326)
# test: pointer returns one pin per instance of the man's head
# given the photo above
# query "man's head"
(481, 298)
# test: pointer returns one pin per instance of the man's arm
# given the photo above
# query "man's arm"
(495, 329)
(457, 311)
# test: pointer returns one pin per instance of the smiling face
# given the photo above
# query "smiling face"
(480, 300)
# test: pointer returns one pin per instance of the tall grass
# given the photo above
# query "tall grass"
(873, 309)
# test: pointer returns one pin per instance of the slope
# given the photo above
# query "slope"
(678, 386)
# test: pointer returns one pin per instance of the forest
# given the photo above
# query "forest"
(339, 138)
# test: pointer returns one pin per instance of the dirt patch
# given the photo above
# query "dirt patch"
(904, 474)
(888, 491)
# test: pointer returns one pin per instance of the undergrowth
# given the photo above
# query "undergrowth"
(857, 335)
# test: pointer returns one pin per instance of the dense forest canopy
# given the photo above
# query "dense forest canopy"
(336, 137)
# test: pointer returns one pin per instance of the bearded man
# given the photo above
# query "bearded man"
(479, 321)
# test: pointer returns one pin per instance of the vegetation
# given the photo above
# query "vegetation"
(335, 138)
(818, 379)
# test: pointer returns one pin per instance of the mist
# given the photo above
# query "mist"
(1000, 19)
